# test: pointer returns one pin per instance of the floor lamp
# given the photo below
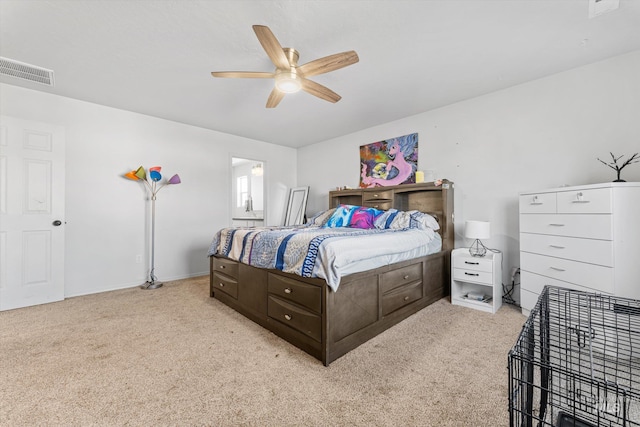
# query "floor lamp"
(155, 177)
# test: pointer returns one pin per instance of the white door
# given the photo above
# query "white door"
(31, 213)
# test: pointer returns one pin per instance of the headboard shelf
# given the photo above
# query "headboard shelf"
(436, 200)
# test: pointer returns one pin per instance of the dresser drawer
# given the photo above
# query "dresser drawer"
(473, 276)
(402, 276)
(535, 283)
(532, 285)
(598, 200)
(585, 250)
(468, 262)
(368, 196)
(304, 294)
(538, 203)
(596, 277)
(226, 266)
(586, 226)
(399, 297)
(295, 317)
(226, 284)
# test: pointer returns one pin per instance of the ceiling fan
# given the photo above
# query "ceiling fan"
(289, 76)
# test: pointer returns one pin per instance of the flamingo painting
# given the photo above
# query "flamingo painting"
(389, 162)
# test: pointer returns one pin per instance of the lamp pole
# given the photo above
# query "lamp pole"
(154, 174)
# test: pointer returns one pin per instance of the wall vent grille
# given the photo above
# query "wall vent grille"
(20, 70)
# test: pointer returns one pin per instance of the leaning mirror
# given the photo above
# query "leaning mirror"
(297, 206)
(247, 192)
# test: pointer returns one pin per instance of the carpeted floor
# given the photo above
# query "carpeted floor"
(174, 356)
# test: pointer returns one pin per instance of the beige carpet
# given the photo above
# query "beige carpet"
(174, 356)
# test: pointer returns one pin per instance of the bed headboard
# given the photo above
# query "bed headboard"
(424, 197)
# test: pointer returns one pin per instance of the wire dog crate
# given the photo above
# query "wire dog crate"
(577, 362)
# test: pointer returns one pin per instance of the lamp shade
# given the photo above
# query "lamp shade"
(140, 173)
(175, 179)
(477, 229)
(131, 175)
(155, 175)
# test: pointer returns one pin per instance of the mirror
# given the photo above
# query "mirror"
(297, 206)
(247, 192)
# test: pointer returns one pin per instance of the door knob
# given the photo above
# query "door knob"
(57, 223)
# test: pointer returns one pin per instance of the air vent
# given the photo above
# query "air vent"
(20, 70)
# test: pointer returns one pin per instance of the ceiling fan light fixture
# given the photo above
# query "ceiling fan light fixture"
(288, 82)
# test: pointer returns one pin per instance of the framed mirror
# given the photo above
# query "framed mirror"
(247, 192)
(296, 206)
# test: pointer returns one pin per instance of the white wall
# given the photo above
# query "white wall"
(108, 216)
(545, 133)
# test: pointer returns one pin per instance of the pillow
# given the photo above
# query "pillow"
(353, 216)
(394, 219)
(320, 219)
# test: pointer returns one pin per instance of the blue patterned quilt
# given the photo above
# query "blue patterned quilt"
(312, 251)
(292, 250)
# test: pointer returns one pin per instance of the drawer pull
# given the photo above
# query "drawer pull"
(535, 201)
(472, 263)
(287, 290)
(557, 269)
(579, 199)
(376, 196)
(287, 316)
(221, 285)
(406, 276)
(406, 298)
(222, 267)
(556, 225)
(557, 246)
(471, 274)
(376, 206)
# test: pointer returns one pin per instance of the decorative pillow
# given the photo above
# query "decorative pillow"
(320, 219)
(353, 216)
(394, 219)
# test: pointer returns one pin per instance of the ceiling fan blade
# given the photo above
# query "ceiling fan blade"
(243, 74)
(329, 63)
(320, 91)
(274, 98)
(272, 46)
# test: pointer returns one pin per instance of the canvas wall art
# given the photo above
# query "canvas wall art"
(390, 162)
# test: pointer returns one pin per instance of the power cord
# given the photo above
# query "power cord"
(507, 291)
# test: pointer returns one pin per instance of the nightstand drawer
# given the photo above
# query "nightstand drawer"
(474, 276)
(587, 226)
(583, 274)
(468, 262)
(585, 201)
(538, 203)
(585, 250)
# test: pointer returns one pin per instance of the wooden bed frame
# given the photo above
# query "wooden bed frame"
(328, 324)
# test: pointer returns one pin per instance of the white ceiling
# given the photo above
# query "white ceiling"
(155, 57)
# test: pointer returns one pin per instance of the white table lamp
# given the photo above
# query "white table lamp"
(477, 230)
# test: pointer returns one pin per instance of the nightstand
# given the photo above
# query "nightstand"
(476, 282)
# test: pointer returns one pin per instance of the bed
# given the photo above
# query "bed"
(329, 300)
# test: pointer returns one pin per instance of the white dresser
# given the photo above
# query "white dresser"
(584, 237)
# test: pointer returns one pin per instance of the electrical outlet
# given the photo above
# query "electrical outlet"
(138, 259)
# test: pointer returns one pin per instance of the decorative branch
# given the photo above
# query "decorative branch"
(618, 168)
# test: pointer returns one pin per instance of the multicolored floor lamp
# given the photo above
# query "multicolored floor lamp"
(155, 177)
